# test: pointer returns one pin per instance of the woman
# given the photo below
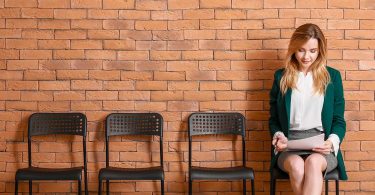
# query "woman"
(307, 99)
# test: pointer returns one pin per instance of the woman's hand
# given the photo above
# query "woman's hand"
(325, 149)
(280, 142)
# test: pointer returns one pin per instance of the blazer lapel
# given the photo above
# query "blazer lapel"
(287, 105)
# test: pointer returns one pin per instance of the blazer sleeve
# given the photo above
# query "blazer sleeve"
(273, 122)
(338, 121)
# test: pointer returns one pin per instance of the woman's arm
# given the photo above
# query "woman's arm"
(274, 124)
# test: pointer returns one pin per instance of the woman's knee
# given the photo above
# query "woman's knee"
(294, 165)
(315, 162)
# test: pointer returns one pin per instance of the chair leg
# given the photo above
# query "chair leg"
(162, 187)
(272, 186)
(244, 186)
(100, 187)
(190, 187)
(252, 187)
(79, 187)
(30, 187)
(107, 185)
(16, 187)
(326, 183)
(337, 187)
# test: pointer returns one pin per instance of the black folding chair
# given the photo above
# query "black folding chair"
(214, 124)
(277, 173)
(50, 124)
(149, 124)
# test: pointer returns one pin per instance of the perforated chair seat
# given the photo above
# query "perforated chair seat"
(36, 173)
(239, 172)
(115, 173)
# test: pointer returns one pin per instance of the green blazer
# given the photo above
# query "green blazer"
(332, 113)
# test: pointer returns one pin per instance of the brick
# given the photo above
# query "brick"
(54, 85)
(151, 25)
(70, 14)
(118, 24)
(21, 23)
(10, 13)
(135, 95)
(133, 55)
(37, 34)
(166, 95)
(102, 14)
(261, 54)
(150, 65)
(367, 24)
(53, 3)
(151, 5)
(86, 105)
(86, 85)
(36, 96)
(151, 106)
(68, 95)
(165, 55)
(343, 24)
(327, 13)
(134, 14)
(118, 85)
(295, 13)
(215, 85)
(68, 54)
(367, 4)
(255, 4)
(86, 24)
(216, 24)
(343, 4)
(53, 24)
(166, 15)
(183, 45)
(103, 34)
(197, 55)
(367, 85)
(104, 75)
(311, 4)
(135, 35)
(183, 85)
(182, 106)
(86, 3)
(10, 33)
(278, 23)
(168, 35)
(232, 75)
(151, 45)
(200, 75)
(232, 34)
(215, 105)
(229, 55)
(366, 65)
(214, 65)
(86, 44)
(181, 65)
(21, 44)
(262, 13)
(193, 14)
(54, 44)
(359, 34)
(151, 85)
(360, 75)
(216, 4)
(118, 105)
(117, 65)
(21, 65)
(358, 54)
(132, 75)
(101, 55)
(39, 75)
(35, 54)
(199, 34)
(279, 4)
(199, 95)
(183, 25)
(10, 95)
(21, 3)
(359, 14)
(118, 4)
(101, 95)
(22, 85)
(322, 23)
(176, 4)
(70, 34)
(247, 85)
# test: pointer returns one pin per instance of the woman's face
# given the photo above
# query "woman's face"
(307, 54)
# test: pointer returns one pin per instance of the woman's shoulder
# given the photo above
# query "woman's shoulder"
(333, 72)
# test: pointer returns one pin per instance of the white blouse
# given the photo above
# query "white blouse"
(306, 108)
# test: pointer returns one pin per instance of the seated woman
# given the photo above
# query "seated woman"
(307, 99)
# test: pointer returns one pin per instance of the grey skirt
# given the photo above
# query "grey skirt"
(293, 135)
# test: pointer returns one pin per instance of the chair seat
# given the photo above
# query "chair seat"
(279, 174)
(36, 173)
(115, 173)
(239, 172)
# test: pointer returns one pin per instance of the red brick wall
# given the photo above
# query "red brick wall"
(174, 57)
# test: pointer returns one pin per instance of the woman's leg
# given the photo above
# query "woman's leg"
(315, 164)
(294, 165)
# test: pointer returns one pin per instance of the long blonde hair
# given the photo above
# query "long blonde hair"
(318, 68)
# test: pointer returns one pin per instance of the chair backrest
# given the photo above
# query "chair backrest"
(57, 123)
(216, 123)
(150, 124)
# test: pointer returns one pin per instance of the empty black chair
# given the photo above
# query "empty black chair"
(213, 124)
(277, 173)
(53, 124)
(148, 124)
